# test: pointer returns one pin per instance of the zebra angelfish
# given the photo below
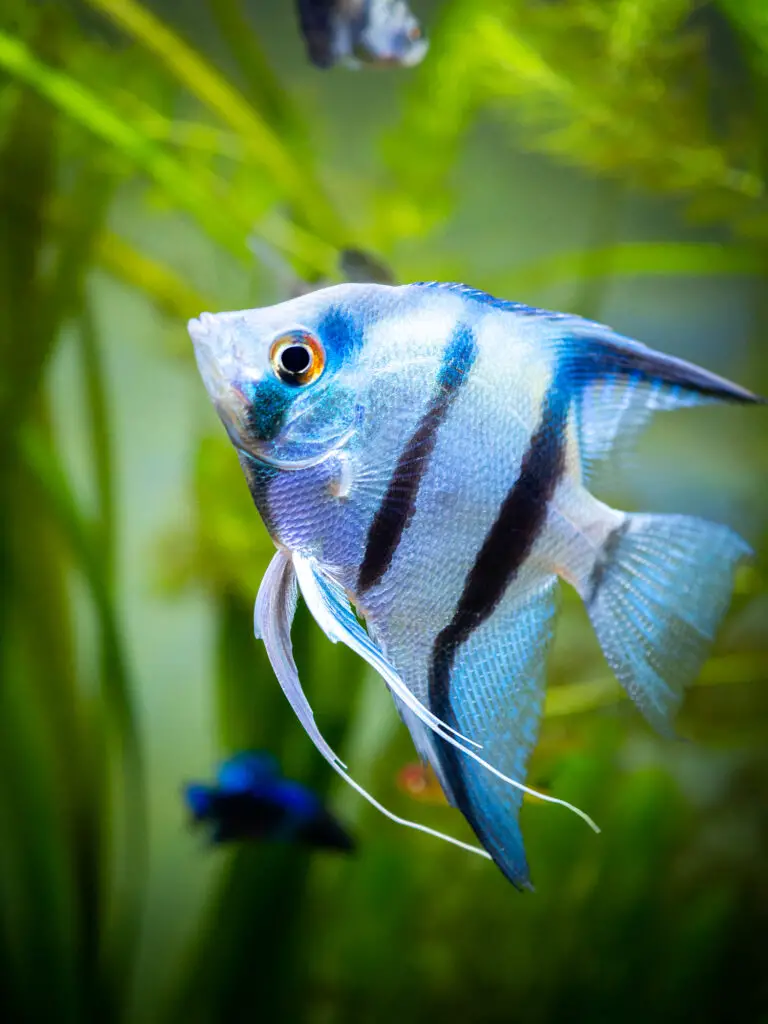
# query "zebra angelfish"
(358, 32)
(423, 452)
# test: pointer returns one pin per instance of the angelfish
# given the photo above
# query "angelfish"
(423, 453)
(358, 32)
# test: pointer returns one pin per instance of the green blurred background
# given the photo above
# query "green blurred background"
(609, 157)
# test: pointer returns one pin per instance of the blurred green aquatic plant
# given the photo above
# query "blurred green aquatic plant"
(102, 99)
(623, 88)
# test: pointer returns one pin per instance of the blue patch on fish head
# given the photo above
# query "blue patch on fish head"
(283, 378)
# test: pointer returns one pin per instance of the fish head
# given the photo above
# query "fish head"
(342, 370)
(390, 35)
(285, 379)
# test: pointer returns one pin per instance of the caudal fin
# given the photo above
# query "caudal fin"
(655, 597)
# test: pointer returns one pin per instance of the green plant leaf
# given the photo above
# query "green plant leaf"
(122, 924)
(638, 259)
(158, 282)
(200, 195)
(212, 89)
(578, 698)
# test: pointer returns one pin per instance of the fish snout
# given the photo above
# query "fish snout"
(202, 328)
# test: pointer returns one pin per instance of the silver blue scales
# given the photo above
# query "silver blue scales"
(434, 475)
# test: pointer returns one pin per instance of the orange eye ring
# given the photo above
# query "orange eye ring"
(297, 358)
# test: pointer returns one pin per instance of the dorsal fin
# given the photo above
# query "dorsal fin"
(617, 382)
(477, 295)
(598, 352)
(620, 383)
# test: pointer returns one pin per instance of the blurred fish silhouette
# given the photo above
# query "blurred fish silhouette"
(251, 800)
(362, 267)
(357, 32)
(424, 452)
(354, 265)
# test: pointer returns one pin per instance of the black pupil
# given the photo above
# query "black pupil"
(295, 359)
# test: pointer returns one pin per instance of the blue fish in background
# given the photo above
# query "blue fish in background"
(358, 32)
(251, 800)
(424, 452)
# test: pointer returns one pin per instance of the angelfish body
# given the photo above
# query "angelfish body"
(358, 32)
(423, 452)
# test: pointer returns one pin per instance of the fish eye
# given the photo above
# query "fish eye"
(297, 358)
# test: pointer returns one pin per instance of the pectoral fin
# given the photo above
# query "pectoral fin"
(273, 616)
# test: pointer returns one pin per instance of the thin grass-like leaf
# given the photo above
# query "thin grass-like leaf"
(212, 89)
(96, 116)
(41, 904)
(27, 165)
(198, 194)
(51, 482)
(39, 712)
(751, 18)
(118, 949)
(263, 88)
(98, 424)
(156, 281)
(578, 698)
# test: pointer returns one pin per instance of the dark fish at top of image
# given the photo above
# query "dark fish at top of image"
(250, 800)
(358, 32)
(422, 457)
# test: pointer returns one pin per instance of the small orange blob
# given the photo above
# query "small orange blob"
(420, 782)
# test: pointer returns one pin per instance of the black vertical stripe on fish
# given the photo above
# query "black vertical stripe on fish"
(399, 503)
(507, 545)
(518, 524)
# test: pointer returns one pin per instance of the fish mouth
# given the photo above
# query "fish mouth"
(215, 355)
(220, 367)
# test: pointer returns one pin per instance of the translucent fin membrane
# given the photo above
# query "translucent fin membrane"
(655, 599)
(273, 615)
(330, 609)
